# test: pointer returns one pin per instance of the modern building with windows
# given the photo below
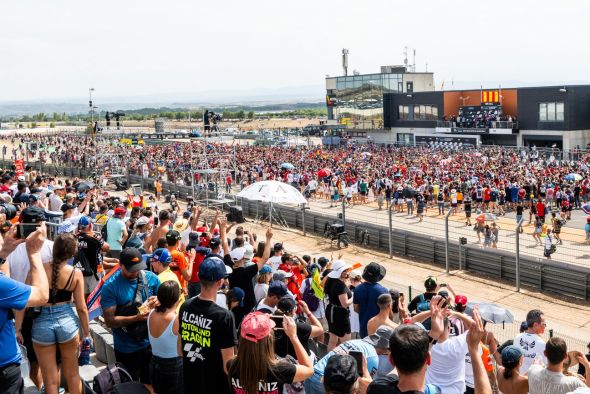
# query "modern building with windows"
(356, 101)
(545, 116)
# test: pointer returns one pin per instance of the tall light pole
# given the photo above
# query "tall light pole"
(90, 90)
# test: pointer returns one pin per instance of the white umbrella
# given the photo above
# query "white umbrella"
(273, 192)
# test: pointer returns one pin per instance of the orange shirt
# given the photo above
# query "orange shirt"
(178, 264)
(486, 357)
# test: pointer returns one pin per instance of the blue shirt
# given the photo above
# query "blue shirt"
(357, 345)
(365, 295)
(118, 291)
(115, 228)
(13, 295)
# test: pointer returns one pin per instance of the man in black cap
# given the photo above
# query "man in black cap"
(122, 294)
(341, 375)
(366, 294)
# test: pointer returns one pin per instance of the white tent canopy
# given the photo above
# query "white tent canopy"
(274, 192)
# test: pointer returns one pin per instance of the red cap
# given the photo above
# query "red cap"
(461, 299)
(201, 229)
(120, 211)
(216, 231)
(256, 325)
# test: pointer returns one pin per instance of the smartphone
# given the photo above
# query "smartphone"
(358, 357)
(278, 322)
(25, 229)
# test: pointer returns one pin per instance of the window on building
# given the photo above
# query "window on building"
(425, 112)
(551, 112)
(403, 112)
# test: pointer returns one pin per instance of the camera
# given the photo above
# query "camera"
(9, 210)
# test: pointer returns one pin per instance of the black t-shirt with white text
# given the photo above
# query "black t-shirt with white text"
(91, 246)
(282, 373)
(205, 329)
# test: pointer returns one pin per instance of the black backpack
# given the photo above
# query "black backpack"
(110, 377)
(104, 232)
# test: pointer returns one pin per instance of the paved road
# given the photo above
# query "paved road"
(574, 249)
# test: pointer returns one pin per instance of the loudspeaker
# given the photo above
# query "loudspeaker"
(235, 215)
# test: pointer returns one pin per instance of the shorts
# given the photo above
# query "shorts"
(137, 364)
(338, 320)
(166, 375)
(55, 324)
(363, 193)
(11, 381)
(467, 214)
(518, 218)
(90, 282)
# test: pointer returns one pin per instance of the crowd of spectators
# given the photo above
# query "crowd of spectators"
(197, 304)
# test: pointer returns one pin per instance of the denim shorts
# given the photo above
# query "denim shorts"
(55, 324)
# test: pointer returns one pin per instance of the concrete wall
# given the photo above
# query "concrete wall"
(423, 82)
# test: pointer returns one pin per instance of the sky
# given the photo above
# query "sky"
(57, 49)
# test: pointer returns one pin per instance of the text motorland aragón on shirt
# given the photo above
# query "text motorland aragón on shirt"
(205, 329)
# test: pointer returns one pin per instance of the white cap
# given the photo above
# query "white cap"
(237, 254)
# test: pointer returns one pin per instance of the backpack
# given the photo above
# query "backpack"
(423, 304)
(309, 297)
(103, 231)
(110, 377)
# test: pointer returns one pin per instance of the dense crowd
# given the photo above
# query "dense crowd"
(199, 305)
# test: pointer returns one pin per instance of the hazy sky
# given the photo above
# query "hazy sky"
(60, 48)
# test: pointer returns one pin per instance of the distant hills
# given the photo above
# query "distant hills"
(282, 99)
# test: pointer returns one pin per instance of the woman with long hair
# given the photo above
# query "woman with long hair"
(510, 381)
(262, 282)
(166, 363)
(256, 365)
(57, 324)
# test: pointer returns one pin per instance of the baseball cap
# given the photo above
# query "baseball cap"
(276, 288)
(212, 269)
(57, 187)
(180, 225)
(201, 229)
(6, 198)
(461, 299)
(248, 252)
(430, 282)
(21, 178)
(286, 305)
(374, 272)
(186, 214)
(84, 222)
(237, 294)
(120, 211)
(380, 339)
(237, 254)
(265, 270)
(172, 236)
(193, 240)
(340, 373)
(281, 275)
(32, 215)
(66, 207)
(162, 255)
(69, 196)
(511, 355)
(256, 326)
(132, 260)
(214, 243)
(142, 221)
